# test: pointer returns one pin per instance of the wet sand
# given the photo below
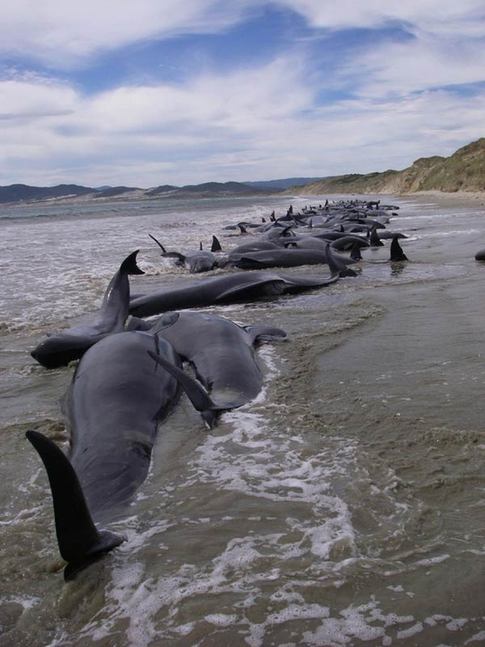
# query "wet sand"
(455, 199)
(343, 507)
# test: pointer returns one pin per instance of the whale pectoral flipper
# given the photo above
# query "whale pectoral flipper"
(337, 268)
(164, 251)
(80, 542)
(261, 332)
(355, 252)
(196, 393)
(273, 285)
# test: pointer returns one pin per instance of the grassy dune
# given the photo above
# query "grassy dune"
(462, 171)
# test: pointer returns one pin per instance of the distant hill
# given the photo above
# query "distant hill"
(158, 190)
(113, 191)
(219, 188)
(18, 192)
(206, 189)
(462, 171)
(283, 183)
(25, 193)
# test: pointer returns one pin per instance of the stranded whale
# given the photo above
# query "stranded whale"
(61, 348)
(224, 289)
(118, 396)
(222, 354)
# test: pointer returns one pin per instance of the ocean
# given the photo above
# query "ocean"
(344, 506)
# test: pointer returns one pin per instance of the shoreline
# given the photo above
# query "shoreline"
(450, 199)
(455, 199)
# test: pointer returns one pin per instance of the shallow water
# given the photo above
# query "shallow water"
(344, 506)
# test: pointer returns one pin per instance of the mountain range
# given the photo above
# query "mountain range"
(464, 170)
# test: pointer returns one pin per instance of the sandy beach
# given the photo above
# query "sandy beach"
(341, 507)
(456, 199)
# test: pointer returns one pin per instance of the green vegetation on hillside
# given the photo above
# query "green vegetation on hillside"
(462, 171)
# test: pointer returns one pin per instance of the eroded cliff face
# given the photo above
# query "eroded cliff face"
(462, 171)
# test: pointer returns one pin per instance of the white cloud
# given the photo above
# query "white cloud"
(20, 99)
(244, 125)
(256, 122)
(61, 33)
(428, 15)
(445, 43)
(240, 101)
(402, 68)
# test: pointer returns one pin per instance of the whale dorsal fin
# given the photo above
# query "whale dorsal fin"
(216, 245)
(80, 542)
(397, 253)
(374, 239)
(129, 266)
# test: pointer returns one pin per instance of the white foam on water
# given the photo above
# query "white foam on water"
(22, 516)
(476, 638)
(221, 619)
(136, 540)
(251, 458)
(433, 560)
(412, 631)
(26, 601)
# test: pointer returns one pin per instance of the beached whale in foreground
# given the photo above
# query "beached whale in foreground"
(222, 354)
(118, 396)
(229, 288)
(61, 348)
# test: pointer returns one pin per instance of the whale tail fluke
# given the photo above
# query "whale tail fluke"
(196, 393)
(129, 266)
(80, 542)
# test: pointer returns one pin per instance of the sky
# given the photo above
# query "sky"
(158, 92)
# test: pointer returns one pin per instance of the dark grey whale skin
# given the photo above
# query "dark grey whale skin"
(229, 288)
(285, 258)
(117, 397)
(221, 352)
(61, 348)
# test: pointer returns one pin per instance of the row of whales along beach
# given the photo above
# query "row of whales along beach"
(243, 422)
